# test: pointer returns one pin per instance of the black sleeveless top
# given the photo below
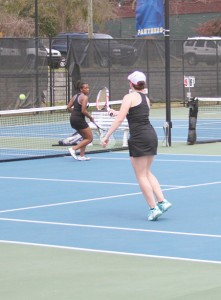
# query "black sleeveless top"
(77, 119)
(77, 106)
(143, 139)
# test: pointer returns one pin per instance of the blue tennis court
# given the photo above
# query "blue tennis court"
(79, 230)
(96, 212)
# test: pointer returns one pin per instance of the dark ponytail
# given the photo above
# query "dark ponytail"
(79, 85)
(139, 86)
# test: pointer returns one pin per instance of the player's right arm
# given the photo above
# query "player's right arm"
(125, 106)
(71, 104)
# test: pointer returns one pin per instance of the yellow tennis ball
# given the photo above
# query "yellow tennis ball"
(22, 97)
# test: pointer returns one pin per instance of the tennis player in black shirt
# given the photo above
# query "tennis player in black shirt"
(142, 143)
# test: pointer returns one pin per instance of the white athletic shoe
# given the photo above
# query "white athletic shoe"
(73, 153)
(164, 205)
(154, 214)
(83, 158)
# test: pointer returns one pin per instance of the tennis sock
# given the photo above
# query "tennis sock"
(161, 201)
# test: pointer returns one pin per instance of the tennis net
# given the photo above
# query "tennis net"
(37, 132)
(206, 114)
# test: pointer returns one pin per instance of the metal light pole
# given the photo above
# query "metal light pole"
(167, 69)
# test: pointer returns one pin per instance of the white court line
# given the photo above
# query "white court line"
(111, 252)
(92, 199)
(107, 197)
(69, 202)
(67, 180)
(167, 160)
(168, 154)
(164, 160)
(192, 161)
(112, 228)
(189, 154)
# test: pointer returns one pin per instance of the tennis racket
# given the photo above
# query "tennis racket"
(102, 132)
(102, 101)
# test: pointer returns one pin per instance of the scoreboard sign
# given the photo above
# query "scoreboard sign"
(189, 81)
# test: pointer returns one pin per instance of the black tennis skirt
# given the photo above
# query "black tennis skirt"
(78, 122)
(143, 143)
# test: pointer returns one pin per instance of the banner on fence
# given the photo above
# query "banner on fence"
(149, 17)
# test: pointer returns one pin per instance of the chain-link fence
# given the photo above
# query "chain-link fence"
(23, 70)
(102, 62)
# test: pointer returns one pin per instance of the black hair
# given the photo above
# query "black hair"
(80, 84)
(139, 86)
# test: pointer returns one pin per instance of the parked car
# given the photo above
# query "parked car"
(54, 58)
(21, 51)
(107, 50)
(202, 49)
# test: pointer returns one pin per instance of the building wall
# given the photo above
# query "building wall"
(181, 26)
(185, 17)
(194, 6)
(127, 9)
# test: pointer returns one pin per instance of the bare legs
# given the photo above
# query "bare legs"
(148, 182)
(87, 139)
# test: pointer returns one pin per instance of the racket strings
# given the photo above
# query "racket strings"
(102, 99)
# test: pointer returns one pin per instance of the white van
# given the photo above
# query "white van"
(202, 49)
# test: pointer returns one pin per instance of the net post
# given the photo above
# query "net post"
(193, 112)
(166, 127)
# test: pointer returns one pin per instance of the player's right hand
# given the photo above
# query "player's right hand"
(112, 112)
(104, 142)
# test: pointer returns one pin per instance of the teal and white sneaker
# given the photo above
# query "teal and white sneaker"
(154, 214)
(164, 205)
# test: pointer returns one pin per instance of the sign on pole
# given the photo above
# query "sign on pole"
(149, 17)
(189, 81)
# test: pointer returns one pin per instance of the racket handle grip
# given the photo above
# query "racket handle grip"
(109, 112)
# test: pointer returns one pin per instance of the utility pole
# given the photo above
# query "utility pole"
(90, 19)
(90, 33)
(37, 101)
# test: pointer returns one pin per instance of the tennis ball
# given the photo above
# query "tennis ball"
(22, 97)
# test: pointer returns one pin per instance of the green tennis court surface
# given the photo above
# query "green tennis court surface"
(36, 273)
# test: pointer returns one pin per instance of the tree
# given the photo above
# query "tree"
(11, 21)
(210, 28)
(54, 16)
(12, 26)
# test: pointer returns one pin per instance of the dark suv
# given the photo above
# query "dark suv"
(107, 51)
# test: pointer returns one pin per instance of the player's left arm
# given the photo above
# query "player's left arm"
(148, 101)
